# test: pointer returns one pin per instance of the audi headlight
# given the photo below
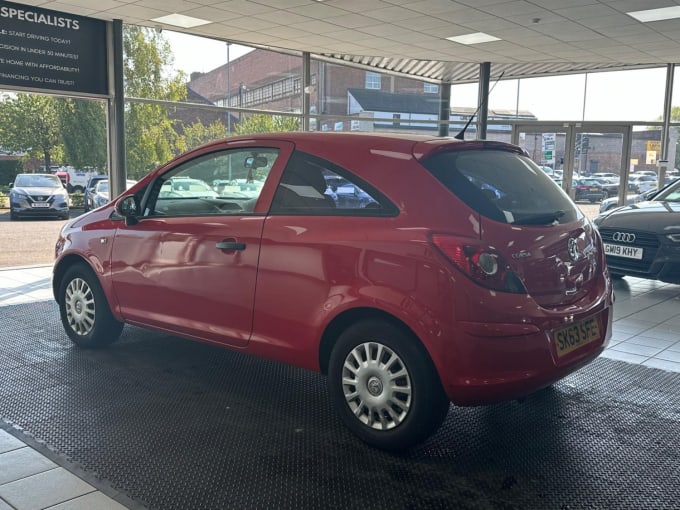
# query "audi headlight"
(674, 237)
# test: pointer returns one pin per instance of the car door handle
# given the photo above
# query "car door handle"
(230, 245)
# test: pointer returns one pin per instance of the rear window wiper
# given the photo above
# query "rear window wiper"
(540, 219)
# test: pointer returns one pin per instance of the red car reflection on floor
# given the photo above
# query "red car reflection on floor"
(442, 271)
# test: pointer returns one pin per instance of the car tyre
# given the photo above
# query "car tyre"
(85, 312)
(605, 195)
(384, 386)
(13, 216)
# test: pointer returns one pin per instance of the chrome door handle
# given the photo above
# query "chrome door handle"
(228, 245)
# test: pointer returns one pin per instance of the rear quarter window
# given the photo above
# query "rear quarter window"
(502, 185)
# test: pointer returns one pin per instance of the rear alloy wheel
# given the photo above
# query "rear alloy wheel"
(605, 195)
(85, 313)
(385, 387)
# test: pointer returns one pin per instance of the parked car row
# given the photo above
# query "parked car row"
(594, 190)
(46, 196)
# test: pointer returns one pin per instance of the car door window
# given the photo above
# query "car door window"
(221, 183)
(313, 186)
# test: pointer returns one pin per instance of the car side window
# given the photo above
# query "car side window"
(313, 186)
(220, 183)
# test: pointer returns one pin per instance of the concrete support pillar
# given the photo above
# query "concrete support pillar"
(444, 108)
(483, 115)
(116, 109)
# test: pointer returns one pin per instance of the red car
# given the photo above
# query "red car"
(462, 274)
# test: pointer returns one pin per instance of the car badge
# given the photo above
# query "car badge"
(572, 247)
(623, 237)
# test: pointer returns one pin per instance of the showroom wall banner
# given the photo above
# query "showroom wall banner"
(51, 50)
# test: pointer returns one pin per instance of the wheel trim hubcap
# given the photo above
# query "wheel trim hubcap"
(80, 306)
(377, 386)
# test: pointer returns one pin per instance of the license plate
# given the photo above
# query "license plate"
(628, 252)
(40, 204)
(594, 189)
(576, 335)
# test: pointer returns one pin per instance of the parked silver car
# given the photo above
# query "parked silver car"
(38, 195)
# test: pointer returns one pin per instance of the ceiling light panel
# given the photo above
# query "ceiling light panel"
(656, 14)
(474, 38)
(180, 20)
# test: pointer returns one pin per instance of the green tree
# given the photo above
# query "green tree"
(198, 133)
(675, 117)
(150, 137)
(259, 123)
(83, 131)
(29, 123)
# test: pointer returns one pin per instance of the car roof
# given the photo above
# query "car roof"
(323, 142)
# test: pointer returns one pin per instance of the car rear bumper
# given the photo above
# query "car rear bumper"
(490, 361)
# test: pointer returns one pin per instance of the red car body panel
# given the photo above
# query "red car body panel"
(298, 275)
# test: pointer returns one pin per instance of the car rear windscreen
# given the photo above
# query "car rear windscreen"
(503, 186)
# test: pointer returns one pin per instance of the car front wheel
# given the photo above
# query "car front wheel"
(84, 310)
(384, 386)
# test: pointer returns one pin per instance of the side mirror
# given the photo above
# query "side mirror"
(128, 208)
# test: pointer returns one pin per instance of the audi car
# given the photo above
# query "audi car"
(38, 196)
(463, 274)
(643, 239)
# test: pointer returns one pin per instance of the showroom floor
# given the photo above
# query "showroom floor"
(45, 464)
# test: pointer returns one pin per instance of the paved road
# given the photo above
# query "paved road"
(28, 242)
(31, 242)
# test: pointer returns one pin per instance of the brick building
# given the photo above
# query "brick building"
(272, 81)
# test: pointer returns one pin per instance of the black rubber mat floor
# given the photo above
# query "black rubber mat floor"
(174, 424)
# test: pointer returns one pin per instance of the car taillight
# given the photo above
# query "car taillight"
(480, 262)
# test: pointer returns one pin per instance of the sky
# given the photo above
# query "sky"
(200, 54)
(612, 96)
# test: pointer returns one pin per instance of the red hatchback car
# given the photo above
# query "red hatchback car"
(459, 272)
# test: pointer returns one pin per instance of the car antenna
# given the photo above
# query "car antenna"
(461, 133)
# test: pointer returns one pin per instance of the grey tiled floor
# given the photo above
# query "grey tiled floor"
(646, 331)
(646, 324)
(30, 481)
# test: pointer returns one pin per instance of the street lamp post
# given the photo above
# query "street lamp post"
(241, 90)
(228, 91)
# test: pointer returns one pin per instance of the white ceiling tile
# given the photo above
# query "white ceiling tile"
(102, 5)
(516, 7)
(584, 12)
(352, 20)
